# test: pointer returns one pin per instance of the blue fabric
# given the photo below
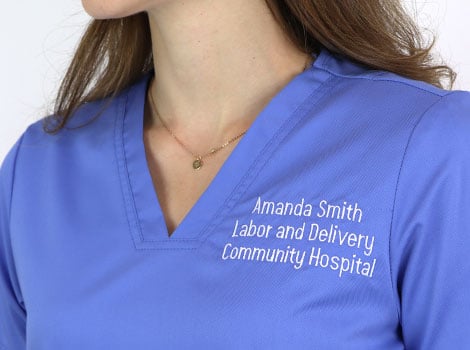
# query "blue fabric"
(341, 220)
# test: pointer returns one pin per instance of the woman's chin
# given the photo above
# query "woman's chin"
(108, 9)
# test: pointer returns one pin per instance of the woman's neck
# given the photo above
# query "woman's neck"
(217, 63)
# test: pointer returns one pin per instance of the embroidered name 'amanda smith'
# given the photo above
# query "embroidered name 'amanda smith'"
(345, 211)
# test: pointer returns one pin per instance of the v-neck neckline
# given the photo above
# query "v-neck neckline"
(144, 213)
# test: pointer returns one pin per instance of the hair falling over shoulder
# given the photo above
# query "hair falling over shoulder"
(114, 53)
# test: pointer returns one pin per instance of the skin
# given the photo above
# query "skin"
(218, 63)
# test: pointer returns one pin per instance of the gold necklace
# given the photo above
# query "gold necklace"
(198, 162)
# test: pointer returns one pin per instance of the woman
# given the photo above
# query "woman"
(241, 175)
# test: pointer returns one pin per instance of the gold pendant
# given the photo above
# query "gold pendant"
(197, 164)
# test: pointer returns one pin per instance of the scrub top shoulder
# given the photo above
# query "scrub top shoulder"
(341, 220)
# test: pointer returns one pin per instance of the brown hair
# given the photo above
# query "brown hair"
(114, 53)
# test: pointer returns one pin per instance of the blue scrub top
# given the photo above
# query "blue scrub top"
(341, 220)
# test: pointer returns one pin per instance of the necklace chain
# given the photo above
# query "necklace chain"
(198, 163)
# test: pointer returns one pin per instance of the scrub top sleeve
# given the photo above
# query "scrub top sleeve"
(430, 231)
(12, 311)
